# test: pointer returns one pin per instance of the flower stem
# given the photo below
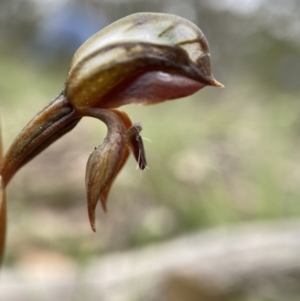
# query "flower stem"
(52, 122)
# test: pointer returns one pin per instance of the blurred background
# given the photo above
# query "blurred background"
(221, 159)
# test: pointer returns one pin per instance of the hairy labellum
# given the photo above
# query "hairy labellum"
(135, 142)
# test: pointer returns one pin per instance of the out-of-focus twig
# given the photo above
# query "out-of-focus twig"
(2, 208)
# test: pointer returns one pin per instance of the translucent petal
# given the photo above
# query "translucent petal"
(134, 46)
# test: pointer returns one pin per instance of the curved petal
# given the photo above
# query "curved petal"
(127, 123)
(134, 143)
(105, 192)
(101, 168)
(114, 58)
(105, 160)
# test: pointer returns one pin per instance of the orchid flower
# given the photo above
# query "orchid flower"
(145, 58)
